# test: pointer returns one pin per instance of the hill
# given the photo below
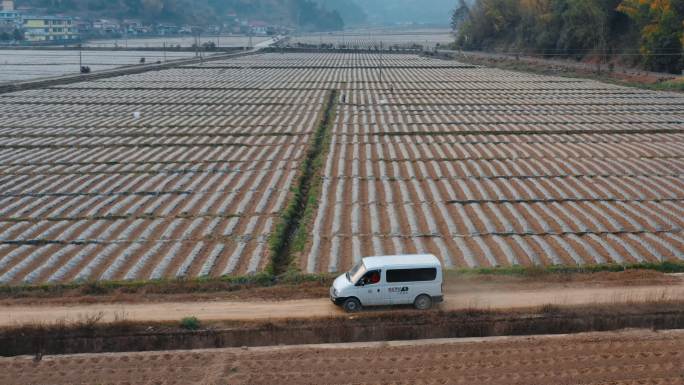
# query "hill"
(306, 14)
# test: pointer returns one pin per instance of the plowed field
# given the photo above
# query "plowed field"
(164, 174)
(425, 39)
(24, 64)
(487, 168)
(185, 172)
(636, 357)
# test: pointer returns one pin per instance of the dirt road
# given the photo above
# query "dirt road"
(485, 297)
(631, 357)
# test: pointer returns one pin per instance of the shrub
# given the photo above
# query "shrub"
(190, 323)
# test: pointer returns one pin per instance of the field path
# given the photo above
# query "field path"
(493, 298)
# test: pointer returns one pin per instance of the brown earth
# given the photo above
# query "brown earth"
(187, 291)
(631, 75)
(490, 293)
(628, 357)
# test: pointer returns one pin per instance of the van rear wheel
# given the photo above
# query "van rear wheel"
(423, 302)
(351, 305)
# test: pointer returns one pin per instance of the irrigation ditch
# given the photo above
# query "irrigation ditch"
(92, 337)
(290, 232)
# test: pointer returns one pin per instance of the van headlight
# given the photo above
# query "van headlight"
(334, 292)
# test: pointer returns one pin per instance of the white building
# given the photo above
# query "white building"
(105, 26)
(49, 28)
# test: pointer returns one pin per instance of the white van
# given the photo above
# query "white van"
(390, 280)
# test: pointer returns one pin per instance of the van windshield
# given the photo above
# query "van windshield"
(356, 272)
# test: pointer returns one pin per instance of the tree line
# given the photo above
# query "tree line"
(645, 32)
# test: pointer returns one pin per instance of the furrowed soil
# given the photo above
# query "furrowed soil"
(618, 358)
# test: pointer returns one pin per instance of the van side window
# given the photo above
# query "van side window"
(411, 275)
(370, 278)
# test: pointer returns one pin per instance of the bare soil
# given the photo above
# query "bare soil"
(455, 282)
(628, 357)
(461, 293)
(565, 67)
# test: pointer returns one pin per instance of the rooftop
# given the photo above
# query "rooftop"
(400, 260)
(33, 17)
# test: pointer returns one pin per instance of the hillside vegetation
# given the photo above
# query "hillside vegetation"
(638, 32)
(432, 12)
(351, 12)
(307, 14)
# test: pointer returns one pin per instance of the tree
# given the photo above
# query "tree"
(503, 14)
(584, 28)
(459, 15)
(660, 23)
(487, 21)
(576, 28)
(539, 25)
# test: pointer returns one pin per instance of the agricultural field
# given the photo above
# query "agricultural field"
(426, 39)
(192, 187)
(485, 167)
(625, 358)
(17, 65)
(482, 167)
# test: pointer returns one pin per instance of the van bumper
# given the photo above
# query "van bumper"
(337, 300)
(437, 298)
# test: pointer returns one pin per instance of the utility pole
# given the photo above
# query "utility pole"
(164, 52)
(80, 57)
(197, 44)
(603, 42)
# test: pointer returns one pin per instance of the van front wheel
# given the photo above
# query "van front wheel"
(351, 305)
(423, 302)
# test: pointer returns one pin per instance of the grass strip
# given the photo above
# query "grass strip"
(162, 286)
(531, 271)
(267, 279)
(290, 234)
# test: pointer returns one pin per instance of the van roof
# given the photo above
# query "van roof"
(399, 260)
